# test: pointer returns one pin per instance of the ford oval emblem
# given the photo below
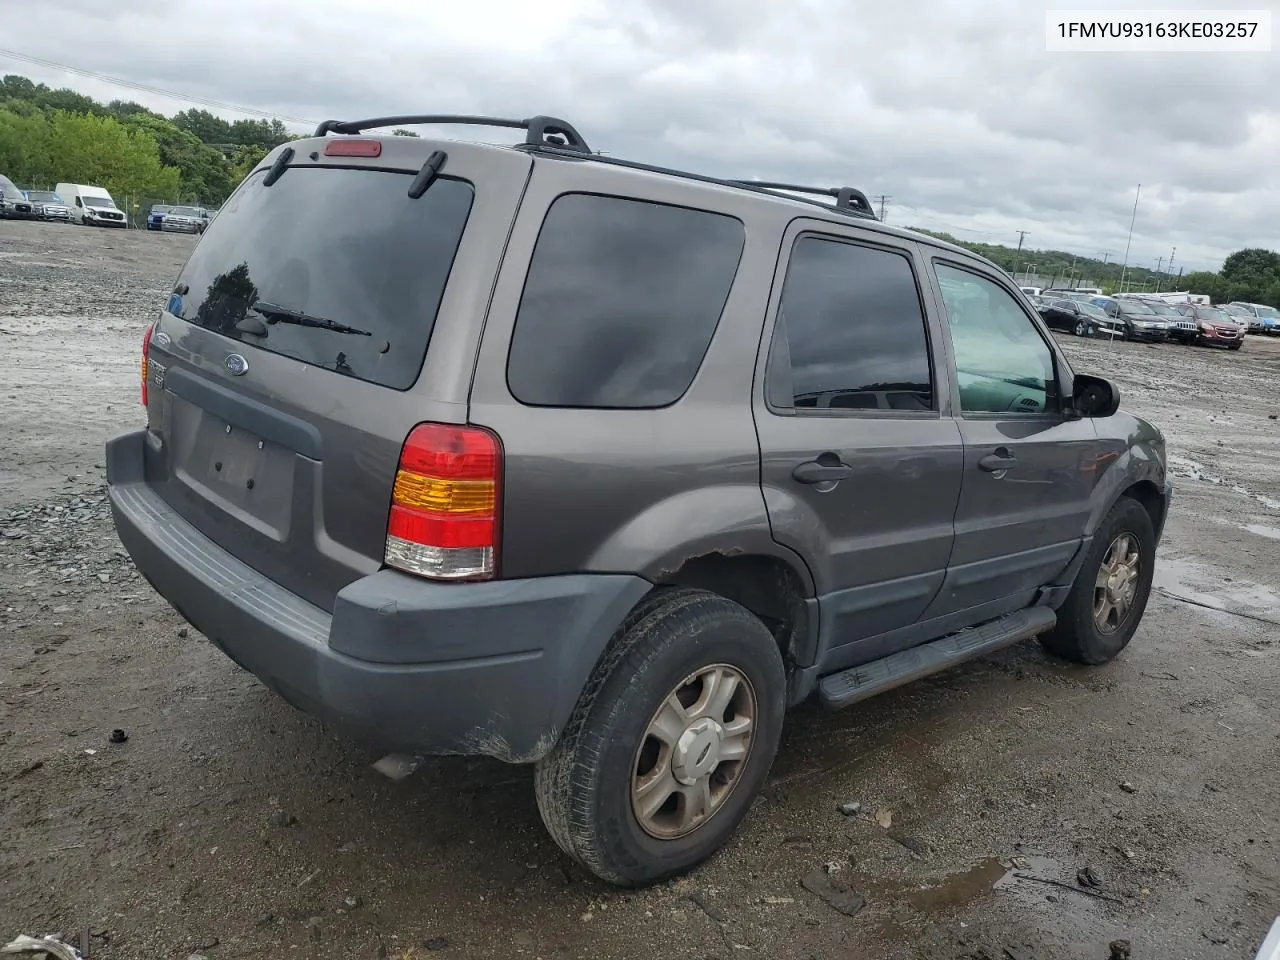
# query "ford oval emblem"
(236, 365)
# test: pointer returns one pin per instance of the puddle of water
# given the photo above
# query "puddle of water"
(1262, 530)
(1189, 580)
(959, 889)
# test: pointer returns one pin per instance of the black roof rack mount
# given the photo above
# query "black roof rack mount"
(847, 198)
(540, 131)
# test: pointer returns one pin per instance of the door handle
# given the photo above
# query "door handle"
(818, 471)
(1002, 459)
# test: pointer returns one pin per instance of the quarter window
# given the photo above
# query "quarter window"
(621, 302)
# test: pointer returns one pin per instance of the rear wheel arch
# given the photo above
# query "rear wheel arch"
(773, 589)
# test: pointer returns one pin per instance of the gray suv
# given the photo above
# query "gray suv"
(563, 459)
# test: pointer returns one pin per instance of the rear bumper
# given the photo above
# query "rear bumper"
(403, 664)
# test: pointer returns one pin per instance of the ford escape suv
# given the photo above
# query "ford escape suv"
(558, 458)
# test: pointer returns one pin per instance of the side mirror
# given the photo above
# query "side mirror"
(1094, 396)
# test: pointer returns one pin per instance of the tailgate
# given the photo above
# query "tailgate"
(319, 319)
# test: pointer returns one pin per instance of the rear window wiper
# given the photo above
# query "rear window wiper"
(278, 314)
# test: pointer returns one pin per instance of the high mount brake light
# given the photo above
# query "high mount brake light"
(443, 522)
(353, 148)
(146, 360)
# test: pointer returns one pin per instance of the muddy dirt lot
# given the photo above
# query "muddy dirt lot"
(228, 825)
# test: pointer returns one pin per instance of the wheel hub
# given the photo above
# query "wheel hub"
(697, 751)
(691, 754)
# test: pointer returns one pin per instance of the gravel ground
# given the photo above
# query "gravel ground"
(229, 825)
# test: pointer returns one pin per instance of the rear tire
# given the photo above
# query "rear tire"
(1092, 628)
(628, 743)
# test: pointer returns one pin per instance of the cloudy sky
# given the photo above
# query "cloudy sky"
(952, 108)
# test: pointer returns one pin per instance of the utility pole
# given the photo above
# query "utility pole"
(1125, 269)
(1021, 235)
(1106, 255)
(882, 200)
(1171, 253)
(1159, 275)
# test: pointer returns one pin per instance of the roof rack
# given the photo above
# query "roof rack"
(551, 135)
(541, 131)
(847, 198)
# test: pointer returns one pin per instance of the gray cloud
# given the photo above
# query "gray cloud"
(952, 107)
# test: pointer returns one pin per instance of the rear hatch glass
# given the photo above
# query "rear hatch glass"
(334, 266)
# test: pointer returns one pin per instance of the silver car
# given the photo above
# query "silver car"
(47, 205)
(184, 219)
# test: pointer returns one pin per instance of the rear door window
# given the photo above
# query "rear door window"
(851, 332)
(336, 267)
(621, 302)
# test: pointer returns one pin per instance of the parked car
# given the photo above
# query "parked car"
(184, 219)
(1258, 317)
(49, 206)
(1214, 327)
(1182, 329)
(434, 527)
(155, 216)
(91, 206)
(14, 204)
(1073, 316)
(1140, 321)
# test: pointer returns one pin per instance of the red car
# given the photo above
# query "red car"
(1214, 326)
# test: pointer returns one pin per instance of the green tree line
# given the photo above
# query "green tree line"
(49, 136)
(1251, 275)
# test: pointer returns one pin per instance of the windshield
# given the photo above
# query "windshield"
(1091, 310)
(1135, 308)
(1213, 314)
(184, 211)
(1271, 313)
(1163, 310)
(99, 202)
(44, 196)
(335, 267)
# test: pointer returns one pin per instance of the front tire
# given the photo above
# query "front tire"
(1110, 592)
(670, 742)
(1081, 329)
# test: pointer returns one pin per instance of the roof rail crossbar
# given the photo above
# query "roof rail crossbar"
(847, 198)
(540, 131)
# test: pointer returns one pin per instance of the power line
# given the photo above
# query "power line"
(146, 88)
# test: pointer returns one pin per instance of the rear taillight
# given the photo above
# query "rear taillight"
(146, 358)
(444, 506)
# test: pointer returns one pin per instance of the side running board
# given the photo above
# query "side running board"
(859, 683)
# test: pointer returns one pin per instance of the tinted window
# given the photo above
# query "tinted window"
(1002, 362)
(851, 324)
(330, 244)
(621, 302)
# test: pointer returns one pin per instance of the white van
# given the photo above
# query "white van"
(91, 206)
